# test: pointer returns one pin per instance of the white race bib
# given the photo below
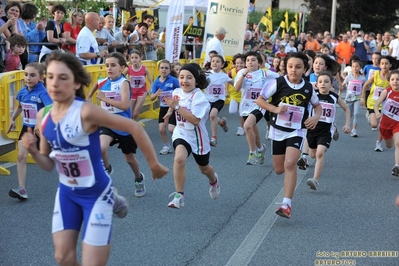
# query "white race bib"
(216, 90)
(29, 113)
(355, 87)
(252, 94)
(181, 121)
(327, 112)
(163, 96)
(391, 109)
(137, 82)
(111, 95)
(292, 118)
(377, 92)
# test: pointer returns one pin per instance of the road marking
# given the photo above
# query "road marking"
(251, 243)
(7, 165)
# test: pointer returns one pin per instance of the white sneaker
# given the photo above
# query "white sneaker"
(177, 202)
(312, 183)
(354, 133)
(374, 128)
(165, 150)
(252, 159)
(378, 146)
(261, 154)
(240, 131)
(214, 190)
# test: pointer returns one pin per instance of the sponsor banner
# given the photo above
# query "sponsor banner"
(174, 30)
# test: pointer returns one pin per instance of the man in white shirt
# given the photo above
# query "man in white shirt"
(215, 44)
(86, 44)
(394, 48)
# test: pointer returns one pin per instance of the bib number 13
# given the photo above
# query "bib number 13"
(71, 169)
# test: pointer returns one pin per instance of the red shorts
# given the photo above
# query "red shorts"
(388, 128)
(138, 92)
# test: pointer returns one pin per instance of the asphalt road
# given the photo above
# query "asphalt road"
(350, 216)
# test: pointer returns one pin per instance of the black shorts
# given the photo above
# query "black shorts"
(25, 129)
(218, 105)
(189, 47)
(201, 160)
(257, 113)
(279, 147)
(318, 138)
(162, 113)
(371, 111)
(267, 116)
(126, 143)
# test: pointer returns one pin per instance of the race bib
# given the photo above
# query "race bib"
(327, 112)
(137, 82)
(74, 168)
(163, 96)
(371, 73)
(292, 118)
(384, 52)
(29, 112)
(111, 95)
(216, 90)
(355, 87)
(182, 122)
(391, 109)
(377, 92)
(252, 93)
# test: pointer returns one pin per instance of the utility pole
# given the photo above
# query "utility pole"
(333, 17)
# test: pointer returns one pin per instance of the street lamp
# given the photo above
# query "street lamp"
(304, 9)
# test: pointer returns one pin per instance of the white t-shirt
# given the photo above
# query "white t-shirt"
(213, 44)
(252, 85)
(394, 45)
(86, 42)
(197, 136)
(216, 89)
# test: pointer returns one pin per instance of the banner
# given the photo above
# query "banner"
(174, 30)
(232, 15)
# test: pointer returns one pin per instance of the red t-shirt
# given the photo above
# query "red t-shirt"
(74, 35)
(13, 62)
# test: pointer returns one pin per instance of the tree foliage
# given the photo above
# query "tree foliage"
(374, 16)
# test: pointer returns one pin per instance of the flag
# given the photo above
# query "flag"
(282, 25)
(200, 19)
(294, 24)
(286, 20)
(267, 20)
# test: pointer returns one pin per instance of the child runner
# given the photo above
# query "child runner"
(235, 97)
(389, 126)
(176, 68)
(137, 76)
(319, 138)
(291, 95)
(190, 135)
(31, 99)
(69, 140)
(379, 82)
(114, 94)
(250, 82)
(354, 85)
(216, 95)
(368, 71)
(162, 88)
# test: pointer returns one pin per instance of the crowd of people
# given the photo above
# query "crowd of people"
(293, 83)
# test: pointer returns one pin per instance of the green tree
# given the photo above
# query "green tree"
(374, 16)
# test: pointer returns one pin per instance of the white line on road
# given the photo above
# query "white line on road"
(247, 249)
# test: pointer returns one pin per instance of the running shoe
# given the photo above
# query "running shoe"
(252, 159)
(165, 150)
(378, 146)
(18, 193)
(223, 124)
(336, 133)
(374, 128)
(240, 131)
(139, 187)
(109, 170)
(354, 133)
(177, 202)
(214, 190)
(261, 154)
(395, 170)
(214, 142)
(121, 205)
(312, 183)
(302, 163)
(284, 211)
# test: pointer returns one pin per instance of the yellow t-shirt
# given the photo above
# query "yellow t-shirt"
(234, 95)
(378, 86)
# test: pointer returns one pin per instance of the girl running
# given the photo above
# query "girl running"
(216, 94)
(379, 82)
(31, 99)
(319, 138)
(354, 84)
(389, 126)
(69, 140)
(250, 81)
(291, 95)
(162, 88)
(235, 96)
(137, 76)
(114, 94)
(190, 135)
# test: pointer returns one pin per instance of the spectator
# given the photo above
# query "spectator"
(372, 47)
(13, 11)
(123, 36)
(394, 48)
(302, 40)
(33, 32)
(86, 45)
(383, 47)
(343, 50)
(361, 46)
(215, 44)
(109, 24)
(103, 37)
(290, 47)
(312, 43)
(54, 31)
(153, 48)
(281, 53)
(17, 47)
(189, 39)
(285, 39)
(72, 29)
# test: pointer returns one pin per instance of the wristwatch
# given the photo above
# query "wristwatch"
(177, 107)
(98, 54)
